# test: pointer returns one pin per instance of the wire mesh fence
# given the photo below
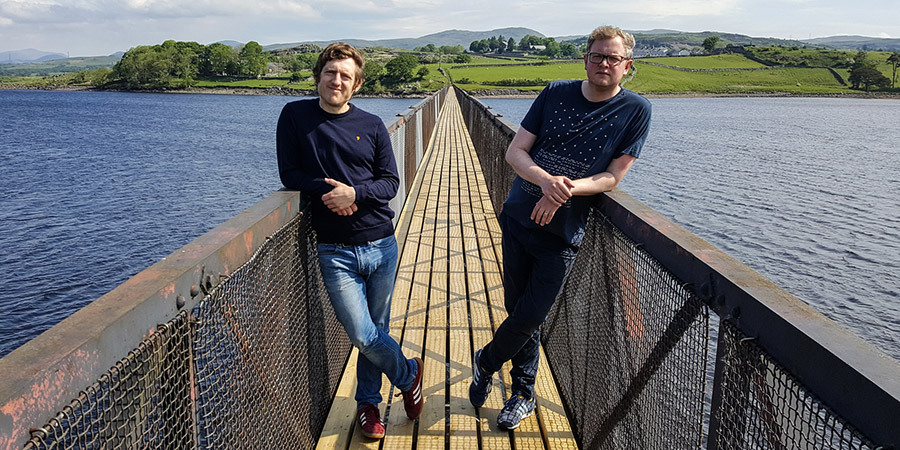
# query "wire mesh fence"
(633, 348)
(627, 343)
(144, 401)
(764, 406)
(256, 363)
(269, 351)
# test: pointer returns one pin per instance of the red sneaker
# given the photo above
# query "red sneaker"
(370, 421)
(412, 399)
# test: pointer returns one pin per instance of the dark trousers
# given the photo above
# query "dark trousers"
(535, 266)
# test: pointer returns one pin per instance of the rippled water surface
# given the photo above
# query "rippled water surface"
(806, 191)
(95, 187)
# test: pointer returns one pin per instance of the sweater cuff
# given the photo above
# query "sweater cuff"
(362, 193)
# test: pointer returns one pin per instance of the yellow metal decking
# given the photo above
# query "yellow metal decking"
(449, 288)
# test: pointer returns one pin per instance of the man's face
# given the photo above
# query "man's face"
(605, 75)
(337, 83)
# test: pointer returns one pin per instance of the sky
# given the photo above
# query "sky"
(103, 27)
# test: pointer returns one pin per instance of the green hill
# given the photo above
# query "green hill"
(857, 43)
(449, 37)
(725, 74)
(58, 66)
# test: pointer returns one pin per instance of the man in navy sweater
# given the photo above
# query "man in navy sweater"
(341, 158)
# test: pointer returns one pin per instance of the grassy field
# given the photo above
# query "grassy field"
(475, 77)
(261, 83)
(57, 67)
(500, 59)
(652, 79)
(483, 74)
(839, 59)
(726, 61)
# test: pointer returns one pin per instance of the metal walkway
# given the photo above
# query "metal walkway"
(229, 342)
(448, 299)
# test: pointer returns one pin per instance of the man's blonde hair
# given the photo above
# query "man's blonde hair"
(610, 32)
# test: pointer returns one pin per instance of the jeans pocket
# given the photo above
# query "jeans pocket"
(326, 249)
(385, 242)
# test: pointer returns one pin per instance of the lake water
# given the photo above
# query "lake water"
(805, 191)
(95, 187)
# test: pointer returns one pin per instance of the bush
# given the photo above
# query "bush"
(521, 82)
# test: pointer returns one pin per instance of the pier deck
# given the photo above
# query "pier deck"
(448, 299)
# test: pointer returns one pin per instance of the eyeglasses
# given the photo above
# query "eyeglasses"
(597, 58)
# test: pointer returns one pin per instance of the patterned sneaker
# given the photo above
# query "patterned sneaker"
(412, 399)
(515, 409)
(370, 421)
(481, 382)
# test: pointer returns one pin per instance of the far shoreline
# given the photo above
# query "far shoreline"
(481, 94)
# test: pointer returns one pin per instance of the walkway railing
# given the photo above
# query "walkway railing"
(629, 340)
(229, 342)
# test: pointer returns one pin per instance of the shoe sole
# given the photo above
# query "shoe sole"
(520, 422)
(372, 435)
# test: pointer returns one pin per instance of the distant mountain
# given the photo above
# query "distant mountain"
(449, 37)
(656, 31)
(28, 55)
(857, 43)
(233, 44)
(659, 42)
(649, 42)
(680, 38)
(58, 66)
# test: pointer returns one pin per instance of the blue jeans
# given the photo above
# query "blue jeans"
(535, 266)
(360, 281)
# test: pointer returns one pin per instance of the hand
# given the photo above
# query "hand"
(543, 211)
(557, 189)
(347, 211)
(340, 200)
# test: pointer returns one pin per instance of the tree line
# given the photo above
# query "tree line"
(178, 64)
(544, 46)
(864, 74)
(175, 64)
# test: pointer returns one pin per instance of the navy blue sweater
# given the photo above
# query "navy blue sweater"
(353, 148)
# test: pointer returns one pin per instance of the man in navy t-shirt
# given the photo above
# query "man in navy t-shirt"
(341, 158)
(578, 139)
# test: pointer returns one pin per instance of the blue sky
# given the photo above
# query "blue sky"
(101, 27)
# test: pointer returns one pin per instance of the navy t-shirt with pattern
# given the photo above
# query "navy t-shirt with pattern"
(576, 138)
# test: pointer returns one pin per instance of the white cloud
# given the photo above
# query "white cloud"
(14, 9)
(93, 27)
(102, 11)
(666, 8)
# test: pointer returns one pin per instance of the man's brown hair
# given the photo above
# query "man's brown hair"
(610, 32)
(340, 50)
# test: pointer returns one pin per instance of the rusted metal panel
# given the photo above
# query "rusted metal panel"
(51, 369)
